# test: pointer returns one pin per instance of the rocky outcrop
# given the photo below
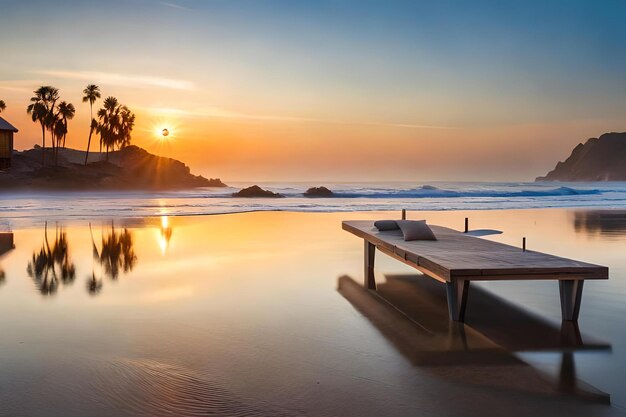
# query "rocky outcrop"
(256, 191)
(131, 168)
(319, 192)
(599, 159)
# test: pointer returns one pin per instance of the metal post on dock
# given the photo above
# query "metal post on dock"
(466, 224)
(403, 214)
(523, 244)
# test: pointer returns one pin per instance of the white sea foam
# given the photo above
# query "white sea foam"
(30, 208)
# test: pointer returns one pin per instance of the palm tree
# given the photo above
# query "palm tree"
(58, 131)
(42, 110)
(3, 106)
(109, 123)
(116, 123)
(127, 122)
(38, 113)
(91, 94)
(92, 128)
(67, 112)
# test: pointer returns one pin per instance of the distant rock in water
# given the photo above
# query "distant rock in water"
(599, 159)
(319, 192)
(256, 191)
(131, 168)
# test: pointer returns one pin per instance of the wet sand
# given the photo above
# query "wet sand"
(262, 314)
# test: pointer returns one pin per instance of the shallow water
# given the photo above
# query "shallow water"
(240, 315)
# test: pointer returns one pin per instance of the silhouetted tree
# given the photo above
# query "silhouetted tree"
(115, 125)
(3, 106)
(91, 94)
(41, 110)
(66, 112)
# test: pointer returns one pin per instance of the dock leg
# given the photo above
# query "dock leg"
(457, 298)
(370, 251)
(571, 292)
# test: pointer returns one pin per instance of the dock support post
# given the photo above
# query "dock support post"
(370, 252)
(571, 292)
(457, 298)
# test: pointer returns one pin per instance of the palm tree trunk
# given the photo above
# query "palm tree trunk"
(54, 154)
(90, 130)
(43, 142)
(88, 144)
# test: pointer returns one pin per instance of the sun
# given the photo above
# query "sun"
(163, 132)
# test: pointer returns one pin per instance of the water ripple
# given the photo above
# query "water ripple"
(152, 388)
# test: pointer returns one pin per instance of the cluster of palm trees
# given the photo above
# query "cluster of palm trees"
(52, 114)
(114, 122)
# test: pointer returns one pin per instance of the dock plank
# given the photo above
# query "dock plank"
(461, 256)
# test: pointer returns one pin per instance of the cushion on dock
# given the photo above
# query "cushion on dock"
(384, 225)
(415, 230)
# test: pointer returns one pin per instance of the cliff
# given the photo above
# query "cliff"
(599, 159)
(131, 168)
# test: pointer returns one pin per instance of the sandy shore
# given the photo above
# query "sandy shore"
(263, 314)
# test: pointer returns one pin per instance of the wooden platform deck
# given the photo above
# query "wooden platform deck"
(456, 259)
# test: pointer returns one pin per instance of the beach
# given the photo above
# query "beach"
(263, 314)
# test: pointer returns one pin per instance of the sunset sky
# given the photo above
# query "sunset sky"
(333, 89)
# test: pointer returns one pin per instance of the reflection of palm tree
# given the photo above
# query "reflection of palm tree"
(94, 285)
(43, 266)
(117, 252)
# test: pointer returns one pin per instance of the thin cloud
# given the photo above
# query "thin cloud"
(125, 80)
(18, 85)
(217, 112)
(173, 5)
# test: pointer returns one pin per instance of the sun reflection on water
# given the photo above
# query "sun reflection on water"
(165, 234)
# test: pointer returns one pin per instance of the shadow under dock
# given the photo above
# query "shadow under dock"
(411, 312)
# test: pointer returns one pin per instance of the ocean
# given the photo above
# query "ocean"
(20, 209)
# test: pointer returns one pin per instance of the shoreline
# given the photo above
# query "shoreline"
(141, 220)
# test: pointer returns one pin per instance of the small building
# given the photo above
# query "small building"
(6, 143)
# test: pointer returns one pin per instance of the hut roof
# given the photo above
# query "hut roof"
(4, 125)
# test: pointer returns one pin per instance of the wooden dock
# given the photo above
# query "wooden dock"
(456, 259)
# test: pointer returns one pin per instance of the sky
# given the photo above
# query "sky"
(330, 90)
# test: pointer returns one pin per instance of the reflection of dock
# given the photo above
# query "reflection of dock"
(411, 312)
(6, 242)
